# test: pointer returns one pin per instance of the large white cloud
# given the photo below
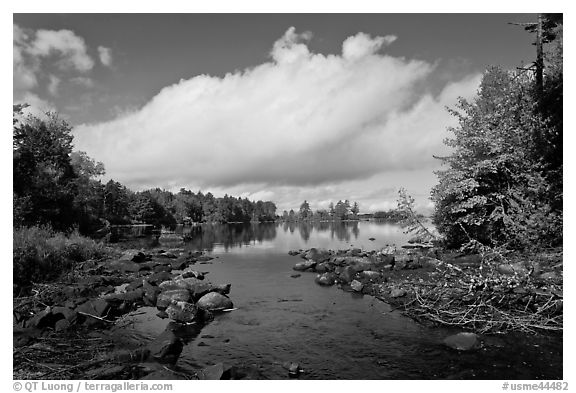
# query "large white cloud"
(300, 119)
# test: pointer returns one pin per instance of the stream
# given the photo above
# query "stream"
(332, 334)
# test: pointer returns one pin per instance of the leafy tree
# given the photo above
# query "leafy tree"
(305, 211)
(341, 210)
(355, 209)
(44, 179)
(331, 210)
(493, 190)
(89, 200)
(117, 200)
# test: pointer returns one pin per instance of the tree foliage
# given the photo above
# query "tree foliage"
(44, 179)
(495, 190)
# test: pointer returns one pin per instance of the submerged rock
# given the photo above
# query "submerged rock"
(463, 341)
(166, 348)
(218, 371)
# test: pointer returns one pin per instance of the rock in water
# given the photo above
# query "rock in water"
(175, 295)
(318, 255)
(356, 285)
(218, 371)
(347, 275)
(463, 341)
(214, 301)
(183, 312)
(326, 279)
(301, 266)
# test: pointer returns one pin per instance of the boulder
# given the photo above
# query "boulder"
(293, 368)
(514, 268)
(133, 256)
(214, 301)
(323, 267)
(178, 264)
(134, 285)
(548, 276)
(427, 262)
(165, 298)
(360, 264)
(96, 307)
(347, 274)
(463, 341)
(150, 293)
(172, 284)
(196, 287)
(388, 250)
(327, 279)
(66, 313)
(62, 325)
(124, 266)
(166, 348)
(42, 319)
(166, 254)
(397, 292)
(159, 277)
(162, 268)
(302, 266)
(370, 275)
(182, 312)
(356, 285)
(204, 258)
(189, 272)
(318, 255)
(354, 252)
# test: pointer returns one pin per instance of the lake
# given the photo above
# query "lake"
(332, 334)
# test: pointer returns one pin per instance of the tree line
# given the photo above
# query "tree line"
(343, 210)
(56, 186)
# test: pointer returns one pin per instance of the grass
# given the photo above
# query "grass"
(41, 254)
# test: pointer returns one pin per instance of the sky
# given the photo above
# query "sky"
(281, 107)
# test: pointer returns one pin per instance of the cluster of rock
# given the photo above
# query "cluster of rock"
(162, 279)
(359, 270)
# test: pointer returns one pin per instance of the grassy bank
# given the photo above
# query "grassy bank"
(41, 254)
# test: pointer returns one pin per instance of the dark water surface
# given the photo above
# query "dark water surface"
(331, 333)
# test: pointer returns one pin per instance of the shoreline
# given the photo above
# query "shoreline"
(476, 293)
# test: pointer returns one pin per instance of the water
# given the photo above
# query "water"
(331, 333)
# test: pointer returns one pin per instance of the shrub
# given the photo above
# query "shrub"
(41, 254)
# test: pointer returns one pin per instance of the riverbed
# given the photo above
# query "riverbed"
(332, 334)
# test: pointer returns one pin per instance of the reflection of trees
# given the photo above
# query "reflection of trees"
(305, 228)
(204, 237)
(355, 230)
(339, 229)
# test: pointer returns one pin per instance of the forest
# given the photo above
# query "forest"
(59, 187)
